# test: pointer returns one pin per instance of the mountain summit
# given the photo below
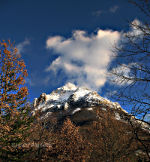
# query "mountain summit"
(80, 103)
(71, 98)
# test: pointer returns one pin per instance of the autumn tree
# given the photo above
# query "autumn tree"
(112, 139)
(38, 145)
(14, 115)
(70, 145)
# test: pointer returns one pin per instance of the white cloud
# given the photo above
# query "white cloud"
(125, 74)
(22, 45)
(83, 58)
(113, 9)
(120, 74)
(124, 71)
(134, 28)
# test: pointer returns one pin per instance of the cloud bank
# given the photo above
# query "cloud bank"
(83, 58)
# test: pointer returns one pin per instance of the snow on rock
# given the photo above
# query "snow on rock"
(69, 98)
(117, 116)
(143, 124)
(35, 102)
(66, 106)
(54, 97)
(76, 110)
(80, 93)
(79, 109)
(95, 95)
(90, 109)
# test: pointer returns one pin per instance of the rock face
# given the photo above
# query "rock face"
(71, 100)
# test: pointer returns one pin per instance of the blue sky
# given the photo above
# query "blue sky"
(65, 40)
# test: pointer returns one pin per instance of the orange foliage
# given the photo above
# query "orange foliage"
(12, 76)
(112, 139)
(13, 114)
(70, 145)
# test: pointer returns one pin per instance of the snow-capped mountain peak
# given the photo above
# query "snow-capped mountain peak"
(67, 96)
(69, 100)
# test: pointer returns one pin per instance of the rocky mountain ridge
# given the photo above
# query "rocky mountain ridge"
(70, 97)
(69, 100)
